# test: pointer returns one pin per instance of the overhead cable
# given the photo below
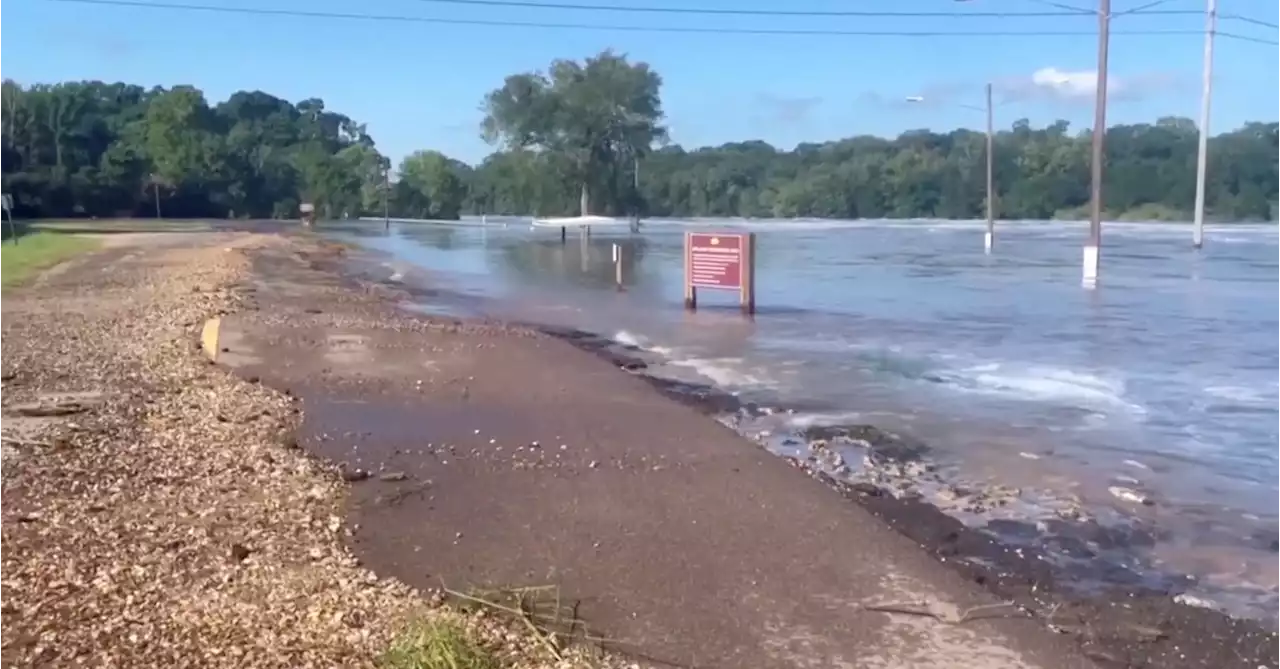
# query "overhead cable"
(686, 29)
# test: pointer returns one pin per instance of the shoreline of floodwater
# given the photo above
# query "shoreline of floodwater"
(1022, 573)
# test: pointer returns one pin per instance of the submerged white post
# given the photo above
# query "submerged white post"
(1090, 277)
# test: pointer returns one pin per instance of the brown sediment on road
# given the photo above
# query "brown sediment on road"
(157, 511)
(487, 455)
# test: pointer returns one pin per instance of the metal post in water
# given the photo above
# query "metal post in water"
(990, 238)
(1206, 94)
(1093, 245)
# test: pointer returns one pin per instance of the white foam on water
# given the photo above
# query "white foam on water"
(627, 338)
(727, 373)
(1255, 396)
(1042, 383)
(806, 420)
(723, 372)
(630, 339)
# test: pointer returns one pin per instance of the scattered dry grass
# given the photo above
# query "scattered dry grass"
(438, 642)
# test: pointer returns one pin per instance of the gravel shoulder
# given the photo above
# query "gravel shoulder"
(156, 508)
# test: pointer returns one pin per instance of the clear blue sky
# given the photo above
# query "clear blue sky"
(419, 85)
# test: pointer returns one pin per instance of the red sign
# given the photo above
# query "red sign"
(715, 260)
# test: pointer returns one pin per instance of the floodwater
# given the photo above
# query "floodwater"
(1162, 381)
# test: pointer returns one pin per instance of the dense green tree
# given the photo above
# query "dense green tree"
(592, 116)
(97, 149)
(431, 185)
(575, 139)
(1040, 174)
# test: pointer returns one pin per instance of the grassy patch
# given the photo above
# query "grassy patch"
(32, 253)
(122, 225)
(438, 643)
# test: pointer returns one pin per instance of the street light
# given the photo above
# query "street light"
(989, 239)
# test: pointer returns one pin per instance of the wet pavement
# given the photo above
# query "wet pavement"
(488, 456)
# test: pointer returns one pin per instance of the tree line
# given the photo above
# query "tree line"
(582, 137)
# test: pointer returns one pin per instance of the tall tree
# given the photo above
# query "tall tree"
(588, 114)
(431, 185)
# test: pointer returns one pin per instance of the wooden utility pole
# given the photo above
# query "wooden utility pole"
(1206, 93)
(1093, 245)
(991, 176)
(635, 190)
(155, 193)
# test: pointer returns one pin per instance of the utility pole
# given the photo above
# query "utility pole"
(386, 199)
(1206, 94)
(1092, 246)
(635, 192)
(990, 238)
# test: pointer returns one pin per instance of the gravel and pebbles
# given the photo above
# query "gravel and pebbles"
(157, 511)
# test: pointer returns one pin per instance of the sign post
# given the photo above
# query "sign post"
(720, 261)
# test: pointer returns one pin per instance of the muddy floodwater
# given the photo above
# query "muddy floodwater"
(1152, 398)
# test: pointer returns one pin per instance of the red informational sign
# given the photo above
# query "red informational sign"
(716, 260)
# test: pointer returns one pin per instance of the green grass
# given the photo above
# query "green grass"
(32, 253)
(122, 225)
(437, 644)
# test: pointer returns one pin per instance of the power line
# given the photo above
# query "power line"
(1246, 38)
(393, 18)
(1069, 8)
(1148, 8)
(720, 11)
(1246, 19)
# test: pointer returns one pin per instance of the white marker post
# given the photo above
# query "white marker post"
(617, 265)
(1090, 275)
